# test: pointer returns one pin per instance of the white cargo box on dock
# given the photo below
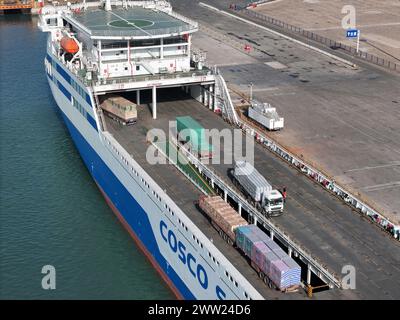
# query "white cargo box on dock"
(265, 115)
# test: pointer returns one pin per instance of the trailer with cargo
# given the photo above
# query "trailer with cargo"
(257, 189)
(119, 109)
(191, 132)
(265, 115)
(273, 265)
(223, 217)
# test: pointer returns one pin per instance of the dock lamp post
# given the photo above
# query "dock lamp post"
(251, 91)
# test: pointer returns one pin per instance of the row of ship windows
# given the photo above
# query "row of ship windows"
(79, 107)
(71, 81)
(179, 221)
(67, 78)
(54, 64)
(78, 88)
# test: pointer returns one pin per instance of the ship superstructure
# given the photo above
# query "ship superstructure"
(136, 45)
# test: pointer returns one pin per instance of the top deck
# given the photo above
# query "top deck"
(132, 22)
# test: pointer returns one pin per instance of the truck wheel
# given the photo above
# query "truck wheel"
(270, 284)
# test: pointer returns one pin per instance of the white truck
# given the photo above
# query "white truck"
(265, 115)
(257, 189)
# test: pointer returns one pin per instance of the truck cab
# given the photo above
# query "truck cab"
(273, 203)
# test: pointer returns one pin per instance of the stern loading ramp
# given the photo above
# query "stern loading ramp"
(316, 219)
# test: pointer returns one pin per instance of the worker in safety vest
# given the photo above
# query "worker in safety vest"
(284, 194)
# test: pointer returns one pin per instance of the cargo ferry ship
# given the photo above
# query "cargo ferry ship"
(119, 69)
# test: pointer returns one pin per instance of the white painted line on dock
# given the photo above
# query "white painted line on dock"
(279, 34)
(382, 186)
(394, 164)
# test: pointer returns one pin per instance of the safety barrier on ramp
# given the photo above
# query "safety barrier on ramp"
(313, 264)
(324, 181)
(223, 93)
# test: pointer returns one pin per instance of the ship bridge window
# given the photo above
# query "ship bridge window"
(172, 40)
(51, 22)
(114, 44)
(145, 43)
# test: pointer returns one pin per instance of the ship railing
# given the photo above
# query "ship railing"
(311, 261)
(146, 33)
(162, 76)
(184, 19)
(100, 113)
(228, 107)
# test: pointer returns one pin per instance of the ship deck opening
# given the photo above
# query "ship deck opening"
(174, 102)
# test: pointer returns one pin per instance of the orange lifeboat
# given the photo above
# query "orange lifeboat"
(69, 45)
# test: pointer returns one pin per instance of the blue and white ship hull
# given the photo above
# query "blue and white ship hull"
(138, 201)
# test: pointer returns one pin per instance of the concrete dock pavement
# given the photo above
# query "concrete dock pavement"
(379, 21)
(343, 120)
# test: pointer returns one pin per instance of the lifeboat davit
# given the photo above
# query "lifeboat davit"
(69, 45)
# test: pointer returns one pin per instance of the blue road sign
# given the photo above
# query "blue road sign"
(352, 33)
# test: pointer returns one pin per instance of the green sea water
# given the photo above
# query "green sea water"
(51, 212)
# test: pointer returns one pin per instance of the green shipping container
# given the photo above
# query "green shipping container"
(196, 134)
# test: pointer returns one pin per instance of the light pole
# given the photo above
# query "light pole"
(251, 91)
